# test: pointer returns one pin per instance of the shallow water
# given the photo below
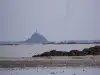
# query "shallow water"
(51, 71)
(30, 50)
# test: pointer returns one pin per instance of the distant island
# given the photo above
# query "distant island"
(38, 38)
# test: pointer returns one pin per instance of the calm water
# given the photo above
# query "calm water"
(29, 50)
(51, 71)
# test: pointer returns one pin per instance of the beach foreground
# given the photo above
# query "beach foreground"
(51, 61)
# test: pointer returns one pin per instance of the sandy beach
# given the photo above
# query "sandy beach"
(6, 62)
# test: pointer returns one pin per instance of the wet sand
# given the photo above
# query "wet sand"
(55, 61)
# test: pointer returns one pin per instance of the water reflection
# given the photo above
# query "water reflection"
(51, 71)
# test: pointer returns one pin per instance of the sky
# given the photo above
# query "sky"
(57, 20)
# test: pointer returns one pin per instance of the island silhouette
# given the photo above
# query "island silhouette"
(37, 38)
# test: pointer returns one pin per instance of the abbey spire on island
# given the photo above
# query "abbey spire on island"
(37, 38)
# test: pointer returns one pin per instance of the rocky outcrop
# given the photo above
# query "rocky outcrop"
(87, 51)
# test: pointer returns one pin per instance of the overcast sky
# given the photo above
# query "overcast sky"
(56, 19)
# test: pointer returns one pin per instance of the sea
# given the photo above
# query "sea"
(30, 50)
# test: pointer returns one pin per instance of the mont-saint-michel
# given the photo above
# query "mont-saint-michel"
(38, 38)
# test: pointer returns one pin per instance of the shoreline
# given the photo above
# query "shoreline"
(54, 61)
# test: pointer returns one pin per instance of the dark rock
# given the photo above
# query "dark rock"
(87, 51)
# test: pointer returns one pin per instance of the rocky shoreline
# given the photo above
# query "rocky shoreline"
(86, 57)
(87, 51)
